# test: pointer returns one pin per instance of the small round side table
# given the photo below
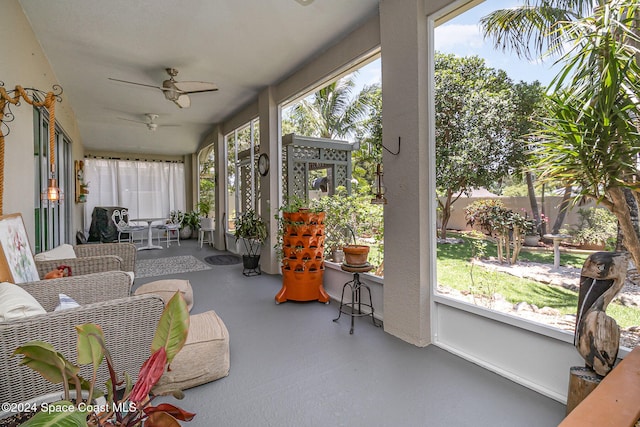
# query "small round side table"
(356, 287)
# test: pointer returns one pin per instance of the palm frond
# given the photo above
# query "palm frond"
(532, 30)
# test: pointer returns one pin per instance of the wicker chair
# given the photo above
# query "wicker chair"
(128, 323)
(95, 259)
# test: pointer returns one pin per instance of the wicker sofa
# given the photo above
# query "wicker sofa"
(128, 323)
(94, 259)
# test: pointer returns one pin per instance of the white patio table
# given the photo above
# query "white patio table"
(150, 244)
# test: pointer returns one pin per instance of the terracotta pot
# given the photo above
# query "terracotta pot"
(356, 255)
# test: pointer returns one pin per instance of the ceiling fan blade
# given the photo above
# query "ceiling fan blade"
(134, 121)
(134, 83)
(183, 101)
(195, 87)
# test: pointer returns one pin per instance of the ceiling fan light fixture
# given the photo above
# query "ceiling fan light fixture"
(182, 101)
(305, 2)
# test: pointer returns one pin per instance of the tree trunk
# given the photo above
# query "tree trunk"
(632, 204)
(531, 192)
(620, 209)
(562, 212)
(446, 215)
(543, 225)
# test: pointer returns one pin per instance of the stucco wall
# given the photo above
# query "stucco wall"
(518, 204)
(24, 63)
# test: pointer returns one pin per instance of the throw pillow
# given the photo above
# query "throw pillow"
(66, 302)
(16, 303)
(64, 251)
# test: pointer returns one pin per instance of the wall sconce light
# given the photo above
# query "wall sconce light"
(379, 188)
(52, 194)
(378, 182)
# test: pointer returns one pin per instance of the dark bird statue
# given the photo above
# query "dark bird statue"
(597, 336)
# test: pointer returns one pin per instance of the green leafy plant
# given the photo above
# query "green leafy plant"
(348, 216)
(204, 207)
(134, 407)
(291, 204)
(192, 219)
(596, 226)
(250, 226)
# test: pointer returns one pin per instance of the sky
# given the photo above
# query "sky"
(461, 36)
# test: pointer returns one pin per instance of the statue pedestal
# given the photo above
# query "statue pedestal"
(582, 381)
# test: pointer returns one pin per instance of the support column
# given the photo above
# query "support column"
(410, 213)
(270, 187)
(220, 188)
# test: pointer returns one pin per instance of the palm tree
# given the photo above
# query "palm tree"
(333, 111)
(591, 140)
(532, 31)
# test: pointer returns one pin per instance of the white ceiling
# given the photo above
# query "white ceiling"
(240, 45)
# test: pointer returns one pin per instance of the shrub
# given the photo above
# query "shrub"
(597, 225)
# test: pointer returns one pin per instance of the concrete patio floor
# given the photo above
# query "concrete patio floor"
(292, 366)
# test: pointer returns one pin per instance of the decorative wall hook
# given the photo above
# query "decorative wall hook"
(391, 152)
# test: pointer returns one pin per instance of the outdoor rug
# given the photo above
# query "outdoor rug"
(223, 259)
(169, 265)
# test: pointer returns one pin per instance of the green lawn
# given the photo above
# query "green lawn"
(454, 271)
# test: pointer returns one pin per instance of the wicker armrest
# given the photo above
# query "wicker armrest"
(85, 289)
(128, 324)
(126, 251)
(84, 265)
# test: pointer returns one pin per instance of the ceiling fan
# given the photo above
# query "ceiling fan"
(176, 91)
(151, 124)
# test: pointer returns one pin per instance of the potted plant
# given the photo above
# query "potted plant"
(301, 235)
(253, 231)
(204, 207)
(531, 237)
(190, 225)
(128, 409)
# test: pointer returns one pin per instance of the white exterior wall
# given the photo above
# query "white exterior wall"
(24, 63)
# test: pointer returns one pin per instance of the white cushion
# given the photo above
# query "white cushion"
(66, 302)
(132, 275)
(16, 303)
(64, 251)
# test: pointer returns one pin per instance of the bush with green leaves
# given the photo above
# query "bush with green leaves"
(596, 226)
(505, 225)
(352, 215)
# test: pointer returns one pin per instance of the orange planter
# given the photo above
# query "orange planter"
(303, 260)
(302, 286)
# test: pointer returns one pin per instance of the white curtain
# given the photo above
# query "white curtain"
(147, 189)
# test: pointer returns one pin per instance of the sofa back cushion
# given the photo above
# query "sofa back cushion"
(16, 303)
(64, 251)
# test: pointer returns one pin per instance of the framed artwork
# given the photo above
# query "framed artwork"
(16, 263)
